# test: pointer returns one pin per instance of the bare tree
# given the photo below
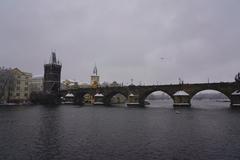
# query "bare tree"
(6, 83)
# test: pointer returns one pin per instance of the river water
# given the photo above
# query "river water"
(207, 130)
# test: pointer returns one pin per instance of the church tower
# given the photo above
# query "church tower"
(95, 78)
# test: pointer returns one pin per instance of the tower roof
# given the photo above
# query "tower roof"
(53, 59)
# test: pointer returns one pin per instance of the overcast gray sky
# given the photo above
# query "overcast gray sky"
(147, 40)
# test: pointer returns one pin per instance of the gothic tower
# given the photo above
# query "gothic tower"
(52, 76)
(95, 78)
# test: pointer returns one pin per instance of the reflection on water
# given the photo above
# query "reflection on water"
(208, 130)
(49, 132)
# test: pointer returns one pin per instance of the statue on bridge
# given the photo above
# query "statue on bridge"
(237, 77)
(237, 80)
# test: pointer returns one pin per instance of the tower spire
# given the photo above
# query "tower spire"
(95, 70)
(53, 58)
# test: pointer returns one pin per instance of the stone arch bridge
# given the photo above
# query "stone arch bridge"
(229, 89)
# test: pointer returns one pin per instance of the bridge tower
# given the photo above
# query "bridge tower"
(52, 76)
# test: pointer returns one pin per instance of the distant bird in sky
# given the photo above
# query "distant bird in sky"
(163, 59)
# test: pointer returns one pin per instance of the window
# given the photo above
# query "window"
(17, 94)
(25, 94)
(18, 81)
(26, 88)
(26, 83)
(18, 88)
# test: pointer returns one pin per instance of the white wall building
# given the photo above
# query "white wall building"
(36, 84)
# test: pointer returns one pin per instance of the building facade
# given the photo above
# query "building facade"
(70, 84)
(20, 91)
(36, 84)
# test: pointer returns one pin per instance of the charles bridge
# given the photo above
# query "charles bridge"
(136, 95)
(228, 89)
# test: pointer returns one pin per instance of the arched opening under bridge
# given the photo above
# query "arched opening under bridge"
(210, 99)
(118, 99)
(115, 98)
(87, 99)
(159, 99)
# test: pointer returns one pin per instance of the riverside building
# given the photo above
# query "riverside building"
(36, 84)
(19, 92)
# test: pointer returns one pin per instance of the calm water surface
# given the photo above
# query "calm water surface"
(208, 130)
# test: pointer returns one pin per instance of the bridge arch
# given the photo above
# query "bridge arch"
(87, 98)
(79, 97)
(145, 95)
(193, 94)
(209, 94)
(108, 97)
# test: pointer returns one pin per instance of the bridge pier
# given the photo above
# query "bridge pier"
(235, 99)
(133, 100)
(181, 99)
(99, 99)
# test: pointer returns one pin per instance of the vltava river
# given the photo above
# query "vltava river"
(208, 130)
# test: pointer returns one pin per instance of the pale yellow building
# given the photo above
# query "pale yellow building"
(20, 92)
